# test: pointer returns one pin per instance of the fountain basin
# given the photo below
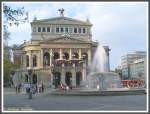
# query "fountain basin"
(99, 93)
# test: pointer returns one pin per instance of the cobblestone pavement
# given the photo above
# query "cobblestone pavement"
(46, 102)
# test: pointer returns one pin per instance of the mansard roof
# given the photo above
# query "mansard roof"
(62, 20)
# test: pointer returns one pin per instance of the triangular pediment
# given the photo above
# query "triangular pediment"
(64, 40)
(61, 20)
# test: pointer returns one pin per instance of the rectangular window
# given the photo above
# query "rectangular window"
(66, 29)
(79, 30)
(75, 30)
(39, 29)
(48, 29)
(43, 29)
(57, 29)
(83, 30)
(62, 29)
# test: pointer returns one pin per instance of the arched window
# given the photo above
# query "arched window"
(27, 61)
(46, 59)
(85, 57)
(75, 55)
(56, 55)
(34, 60)
(66, 56)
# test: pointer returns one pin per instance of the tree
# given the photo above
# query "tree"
(14, 16)
(11, 17)
(6, 36)
(7, 63)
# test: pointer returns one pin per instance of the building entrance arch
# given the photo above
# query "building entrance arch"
(57, 78)
(68, 78)
(78, 78)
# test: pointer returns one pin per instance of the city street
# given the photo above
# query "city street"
(47, 102)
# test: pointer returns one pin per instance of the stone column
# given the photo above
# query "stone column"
(63, 76)
(30, 59)
(60, 53)
(84, 71)
(38, 60)
(51, 54)
(89, 57)
(70, 54)
(80, 55)
(73, 77)
(41, 58)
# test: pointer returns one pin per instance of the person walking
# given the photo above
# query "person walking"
(39, 87)
(19, 87)
(16, 88)
(42, 87)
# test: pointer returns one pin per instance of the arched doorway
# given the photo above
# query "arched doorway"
(78, 78)
(57, 78)
(34, 79)
(68, 78)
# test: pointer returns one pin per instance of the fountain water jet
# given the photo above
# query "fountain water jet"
(100, 78)
(100, 61)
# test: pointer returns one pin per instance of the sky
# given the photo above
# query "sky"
(123, 26)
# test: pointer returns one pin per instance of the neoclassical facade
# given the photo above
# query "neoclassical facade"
(60, 51)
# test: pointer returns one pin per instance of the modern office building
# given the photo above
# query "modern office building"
(132, 65)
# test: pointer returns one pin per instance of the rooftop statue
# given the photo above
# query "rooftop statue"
(61, 11)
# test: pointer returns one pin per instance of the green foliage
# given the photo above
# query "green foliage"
(14, 16)
(6, 34)
(8, 66)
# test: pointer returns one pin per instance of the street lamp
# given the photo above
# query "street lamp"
(12, 73)
(30, 75)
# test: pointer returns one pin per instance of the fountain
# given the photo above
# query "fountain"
(100, 77)
(100, 81)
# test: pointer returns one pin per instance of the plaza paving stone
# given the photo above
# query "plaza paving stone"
(46, 102)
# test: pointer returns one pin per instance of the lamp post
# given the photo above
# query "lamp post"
(12, 74)
(30, 75)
